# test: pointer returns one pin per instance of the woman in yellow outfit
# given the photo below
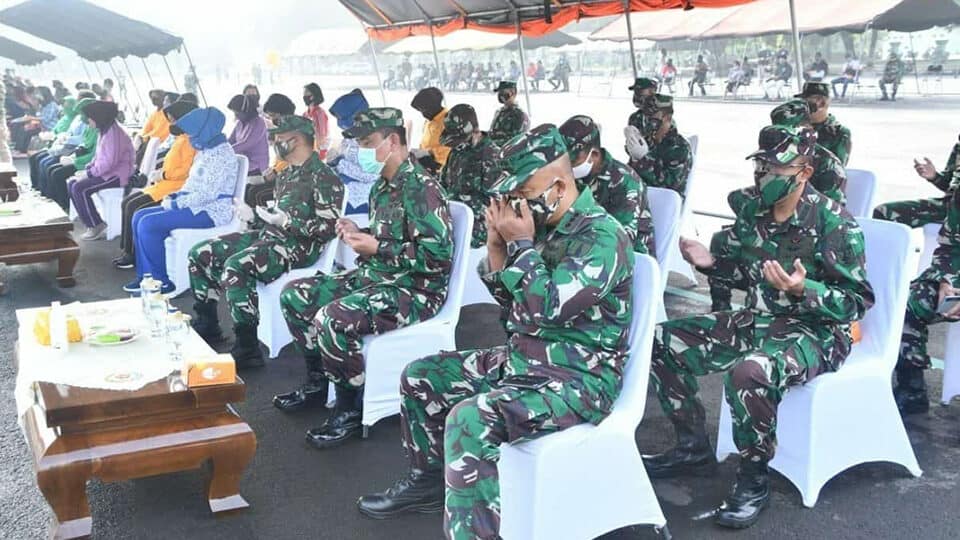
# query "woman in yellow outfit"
(431, 154)
(176, 167)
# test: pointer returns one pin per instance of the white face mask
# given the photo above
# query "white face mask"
(584, 169)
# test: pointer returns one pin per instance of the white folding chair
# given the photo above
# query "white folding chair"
(475, 291)
(665, 207)
(346, 256)
(387, 354)
(272, 330)
(860, 191)
(149, 162)
(588, 480)
(108, 203)
(677, 264)
(849, 417)
(951, 365)
(931, 239)
(180, 241)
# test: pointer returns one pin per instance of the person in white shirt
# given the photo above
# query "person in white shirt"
(850, 71)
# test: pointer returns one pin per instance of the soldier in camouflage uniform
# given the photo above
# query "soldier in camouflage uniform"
(401, 277)
(472, 166)
(659, 154)
(509, 120)
(830, 134)
(615, 186)
(941, 279)
(917, 213)
(800, 257)
(892, 73)
(643, 89)
(309, 197)
(561, 268)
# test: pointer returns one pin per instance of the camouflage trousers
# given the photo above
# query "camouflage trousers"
(921, 313)
(916, 213)
(455, 415)
(762, 357)
(329, 315)
(234, 263)
(721, 293)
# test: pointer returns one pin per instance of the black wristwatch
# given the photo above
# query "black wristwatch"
(516, 247)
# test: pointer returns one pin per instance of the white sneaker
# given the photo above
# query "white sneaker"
(95, 233)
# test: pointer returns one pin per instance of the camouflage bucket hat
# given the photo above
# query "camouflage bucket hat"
(781, 145)
(292, 122)
(790, 114)
(505, 85)
(370, 120)
(460, 123)
(657, 103)
(522, 156)
(814, 89)
(642, 83)
(580, 133)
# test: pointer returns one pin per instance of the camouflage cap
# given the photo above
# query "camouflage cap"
(814, 89)
(370, 120)
(522, 156)
(790, 114)
(288, 123)
(460, 122)
(580, 133)
(505, 85)
(657, 103)
(642, 83)
(781, 145)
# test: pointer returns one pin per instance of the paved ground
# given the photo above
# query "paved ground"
(298, 492)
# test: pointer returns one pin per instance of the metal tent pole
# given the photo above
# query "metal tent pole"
(85, 70)
(149, 76)
(796, 45)
(133, 81)
(376, 69)
(633, 53)
(523, 59)
(916, 73)
(170, 71)
(433, 44)
(99, 73)
(193, 70)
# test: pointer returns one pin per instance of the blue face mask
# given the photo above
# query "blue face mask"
(367, 159)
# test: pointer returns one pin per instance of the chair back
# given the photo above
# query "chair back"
(665, 205)
(860, 191)
(149, 161)
(462, 218)
(329, 253)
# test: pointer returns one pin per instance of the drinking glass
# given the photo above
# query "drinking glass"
(157, 311)
(178, 330)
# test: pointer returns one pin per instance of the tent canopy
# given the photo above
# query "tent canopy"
(327, 42)
(476, 40)
(21, 54)
(392, 19)
(95, 33)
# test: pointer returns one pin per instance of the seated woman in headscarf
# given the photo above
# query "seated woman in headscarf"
(346, 163)
(249, 136)
(204, 201)
(312, 98)
(111, 167)
(276, 107)
(46, 117)
(60, 135)
(78, 151)
(169, 179)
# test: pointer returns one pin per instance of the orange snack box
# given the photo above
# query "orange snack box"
(210, 370)
(855, 334)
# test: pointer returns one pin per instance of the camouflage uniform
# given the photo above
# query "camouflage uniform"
(918, 213)
(924, 291)
(471, 167)
(455, 412)
(777, 340)
(834, 137)
(312, 195)
(668, 163)
(403, 283)
(640, 97)
(616, 187)
(509, 120)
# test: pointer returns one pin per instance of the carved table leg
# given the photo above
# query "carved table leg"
(230, 459)
(67, 260)
(65, 489)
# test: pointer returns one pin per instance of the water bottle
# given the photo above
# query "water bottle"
(146, 284)
(58, 327)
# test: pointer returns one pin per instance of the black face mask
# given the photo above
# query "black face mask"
(175, 130)
(157, 102)
(308, 100)
(503, 96)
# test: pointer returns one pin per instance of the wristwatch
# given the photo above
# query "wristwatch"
(516, 247)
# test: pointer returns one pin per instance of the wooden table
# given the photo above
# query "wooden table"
(41, 233)
(8, 188)
(77, 434)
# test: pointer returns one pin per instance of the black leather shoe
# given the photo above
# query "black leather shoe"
(311, 393)
(345, 422)
(750, 495)
(692, 455)
(125, 262)
(206, 322)
(419, 491)
(246, 350)
(911, 391)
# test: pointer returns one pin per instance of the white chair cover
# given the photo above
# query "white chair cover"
(665, 205)
(861, 192)
(475, 292)
(677, 264)
(149, 162)
(346, 256)
(931, 239)
(108, 203)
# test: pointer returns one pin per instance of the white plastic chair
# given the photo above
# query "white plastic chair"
(272, 330)
(475, 291)
(180, 241)
(588, 480)
(860, 191)
(931, 239)
(346, 256)
(108, 203)
(149, 162)
(677, 264)
(387, 354)
(951, 365)
(665, 207)
(849, 417)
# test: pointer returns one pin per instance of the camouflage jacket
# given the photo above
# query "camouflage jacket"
(410, 218)
(893, 70)
(829, 244)
(312, 195)
(668, 163)
(618, 190)
(468, 174)
(946, 258)
(567, 306)
(508, 122)
(834, 137)
(829, 178)
(948, 180)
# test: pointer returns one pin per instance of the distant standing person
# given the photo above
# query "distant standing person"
(700, 76)
(668, 74)
(509, 120)
(312, 98)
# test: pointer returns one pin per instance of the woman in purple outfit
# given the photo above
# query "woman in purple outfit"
(249, 136)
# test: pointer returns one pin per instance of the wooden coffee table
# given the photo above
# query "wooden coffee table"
(78, 433)
(8, 188)
(41, 233)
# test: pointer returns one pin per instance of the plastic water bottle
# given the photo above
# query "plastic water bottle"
(146, 284)
(58, 327)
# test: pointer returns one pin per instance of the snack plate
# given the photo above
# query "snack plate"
(120, 336)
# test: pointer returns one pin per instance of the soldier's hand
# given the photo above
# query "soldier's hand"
(346, 226)
(512, 227)
(926, 169)
(696, 253)
(269, 175)
(362, 243)
(635, 145)
(277, 217)
(492, 214)
(779, 278)
(244, 213)
(946, 289)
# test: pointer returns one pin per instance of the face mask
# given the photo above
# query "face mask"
(307, 100)
(502, 97)
(283, 148)
(773, 188)
(638, 99)
(813, 106)
(650, 125)
(584, 169)
(541, 209)
(157, 102)
(367, 159)
(175, 130)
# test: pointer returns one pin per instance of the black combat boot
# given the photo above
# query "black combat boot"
(206, 322)
(420, 491)
(344, 423)
(312, 393)
(750, 495)
(246, 350)
(692, 455)
(910, 393)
